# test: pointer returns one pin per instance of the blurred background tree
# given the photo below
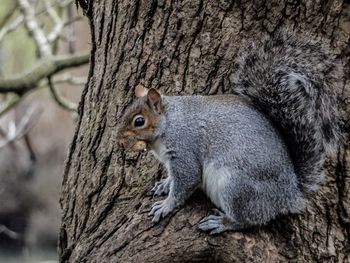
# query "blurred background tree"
(43, 49)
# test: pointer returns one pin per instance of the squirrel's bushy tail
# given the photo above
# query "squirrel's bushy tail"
(294, 81)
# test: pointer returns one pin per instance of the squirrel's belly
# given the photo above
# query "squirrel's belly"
(214, 181)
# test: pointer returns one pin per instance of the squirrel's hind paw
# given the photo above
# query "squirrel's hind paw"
(216, 224)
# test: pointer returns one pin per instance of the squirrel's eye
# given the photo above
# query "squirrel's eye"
(139, 121)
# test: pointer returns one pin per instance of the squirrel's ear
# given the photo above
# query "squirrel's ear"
(155, 100)
(140, 91)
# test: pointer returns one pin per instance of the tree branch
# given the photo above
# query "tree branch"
(34, 29)
(9, 103)
(12, 234)
(64, 103)
(54, 34)
(16, 131)
(71, 29)
(30, 80)
(71, 80)
(6, 28)
(10, 27)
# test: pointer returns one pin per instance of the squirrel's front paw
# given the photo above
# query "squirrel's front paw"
(161, 187)
(161, 209)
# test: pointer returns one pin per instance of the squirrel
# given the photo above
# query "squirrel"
(258, 153)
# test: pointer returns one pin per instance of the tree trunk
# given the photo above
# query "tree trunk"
(186, 47)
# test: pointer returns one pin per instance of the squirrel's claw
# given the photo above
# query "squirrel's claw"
(161, 209)
(216, 224)
(161, 187)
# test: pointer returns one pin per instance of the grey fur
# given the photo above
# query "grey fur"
(294, 80)
(254, 162)
(229, 134)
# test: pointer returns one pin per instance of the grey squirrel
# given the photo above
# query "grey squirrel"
(257, 154)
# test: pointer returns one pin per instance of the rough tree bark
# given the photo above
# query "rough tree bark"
(185, 47)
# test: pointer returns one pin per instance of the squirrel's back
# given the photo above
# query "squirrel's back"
(225, 127)
(294, 81)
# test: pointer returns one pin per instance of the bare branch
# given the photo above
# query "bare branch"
(5, 29)
(63, 102)
(16, 131)
(11, 234)
(71, 21)
(72, 80)
(49, 64)
(34, 29)
(11, 27)
(71, 29)
(30, 80)
(54, 34)
(9, 103)
(62, 79)
(69, 39)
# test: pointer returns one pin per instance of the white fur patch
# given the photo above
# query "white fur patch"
(159, 150)
(214, 181)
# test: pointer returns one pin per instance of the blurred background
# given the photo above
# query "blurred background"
(44, 52)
